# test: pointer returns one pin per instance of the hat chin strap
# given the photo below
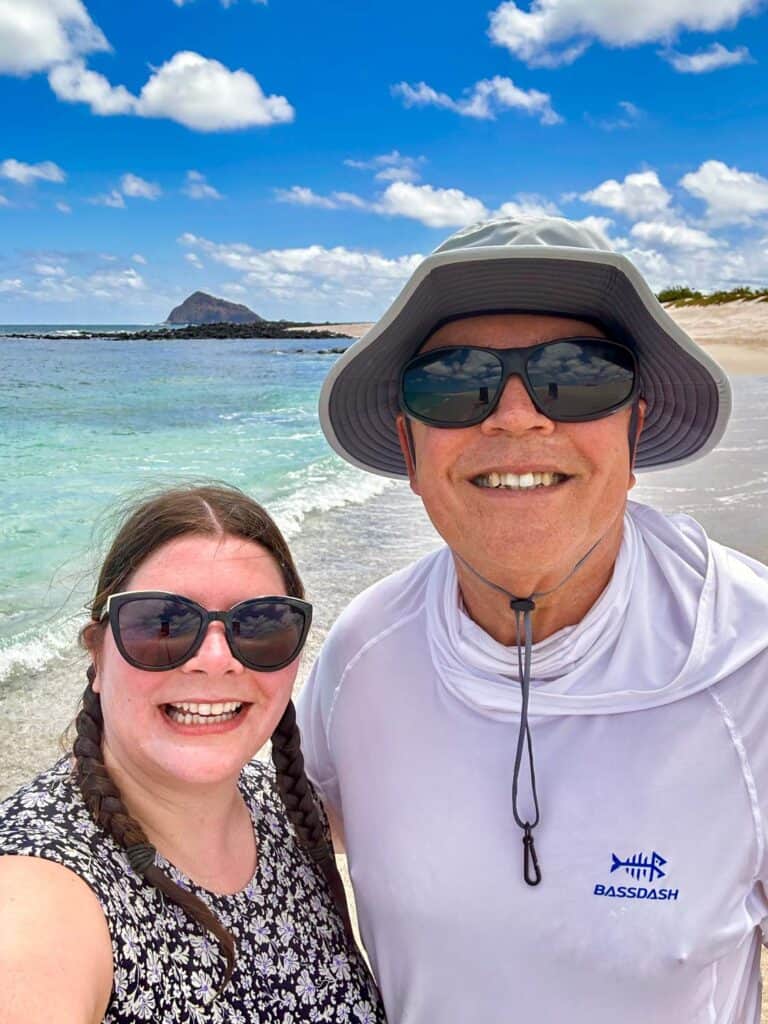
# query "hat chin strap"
(633, 438)
(523, 607)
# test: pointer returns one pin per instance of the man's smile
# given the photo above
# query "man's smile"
(519, 481)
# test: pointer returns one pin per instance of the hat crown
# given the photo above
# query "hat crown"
(511, 232)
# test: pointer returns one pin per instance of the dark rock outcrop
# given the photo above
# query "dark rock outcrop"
(201, 308)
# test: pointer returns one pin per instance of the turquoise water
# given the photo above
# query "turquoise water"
(84, 423)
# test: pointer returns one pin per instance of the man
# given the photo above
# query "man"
(572, 670)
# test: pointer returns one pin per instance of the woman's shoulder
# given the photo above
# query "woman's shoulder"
(43, 807)
(47, 818)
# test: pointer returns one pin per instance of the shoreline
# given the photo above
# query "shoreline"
(735, 334)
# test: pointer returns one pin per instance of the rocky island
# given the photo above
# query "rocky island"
(201, 308)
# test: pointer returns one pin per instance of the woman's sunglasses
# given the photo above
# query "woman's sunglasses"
(568, 380)
(156, 631)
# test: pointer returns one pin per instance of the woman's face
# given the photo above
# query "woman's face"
(140, 735)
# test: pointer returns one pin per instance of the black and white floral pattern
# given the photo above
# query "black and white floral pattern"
(293, 962)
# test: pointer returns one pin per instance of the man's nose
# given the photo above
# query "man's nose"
(214, 655)
(515, 412)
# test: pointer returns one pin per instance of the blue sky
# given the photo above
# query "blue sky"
(301, 157)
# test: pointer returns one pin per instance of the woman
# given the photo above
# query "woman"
(156, 875)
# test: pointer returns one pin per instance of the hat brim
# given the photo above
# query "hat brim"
(687, 393)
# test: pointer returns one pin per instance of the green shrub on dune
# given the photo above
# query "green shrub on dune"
(681, 295)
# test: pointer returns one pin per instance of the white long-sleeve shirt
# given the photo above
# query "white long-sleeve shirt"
(650, 734)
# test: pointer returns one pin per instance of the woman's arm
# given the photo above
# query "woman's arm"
(55, 949)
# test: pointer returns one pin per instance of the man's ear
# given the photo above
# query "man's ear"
(640, 409)
(405, 437)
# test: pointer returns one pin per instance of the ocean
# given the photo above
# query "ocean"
(86, 424)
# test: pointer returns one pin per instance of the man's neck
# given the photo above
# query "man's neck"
(572, 592)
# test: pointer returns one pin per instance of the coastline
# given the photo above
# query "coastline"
(734, 334)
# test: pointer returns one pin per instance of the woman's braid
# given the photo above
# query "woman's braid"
(103, 800)
(299, 801)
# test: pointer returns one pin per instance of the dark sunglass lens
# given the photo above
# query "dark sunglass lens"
(157, 631)
(268, 634)
(451, 387)
(575, 379)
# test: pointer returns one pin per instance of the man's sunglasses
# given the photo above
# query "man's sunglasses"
(156, 631)
(568, 380)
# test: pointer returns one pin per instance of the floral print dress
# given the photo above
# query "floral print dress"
(293, 960)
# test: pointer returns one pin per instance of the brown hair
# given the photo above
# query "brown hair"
(210, 510)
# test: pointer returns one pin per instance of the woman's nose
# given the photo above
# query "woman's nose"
(214, 654)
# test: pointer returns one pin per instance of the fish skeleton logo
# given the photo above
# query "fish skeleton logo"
(643, 867)
(640, 865)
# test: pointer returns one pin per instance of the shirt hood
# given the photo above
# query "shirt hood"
(680, 613)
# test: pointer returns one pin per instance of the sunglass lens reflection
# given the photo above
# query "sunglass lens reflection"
(267, 634)
(456, 387)
(157, 632)
(576, 380)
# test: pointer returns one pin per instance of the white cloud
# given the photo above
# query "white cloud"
(26, 174)
(554, 32)
(732, 196)
(11, 284)
(705, 269)
(350, 199)
(390, 166)
(206, 96)
(138, 188)
(49, 270)
(717, 56)
(300, 195)
(600, 226)
(132, 186)
(674, 235)
(524, 207)
(113, 198)
(74, 83)
(326, 277)
(197, 187)
(53, 284)
(108, 282)
(3, 200)
(63, 207)
(198, 92)
(484, 100)
(435, 207)
(36, 34)
(636, 196)
(194, 259)
(138, 258)
(628, 118)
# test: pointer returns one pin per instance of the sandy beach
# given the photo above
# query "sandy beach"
(735, 334)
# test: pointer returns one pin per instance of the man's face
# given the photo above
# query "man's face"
(538, 530)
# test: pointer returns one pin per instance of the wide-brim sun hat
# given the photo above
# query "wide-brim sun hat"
(548, 265)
